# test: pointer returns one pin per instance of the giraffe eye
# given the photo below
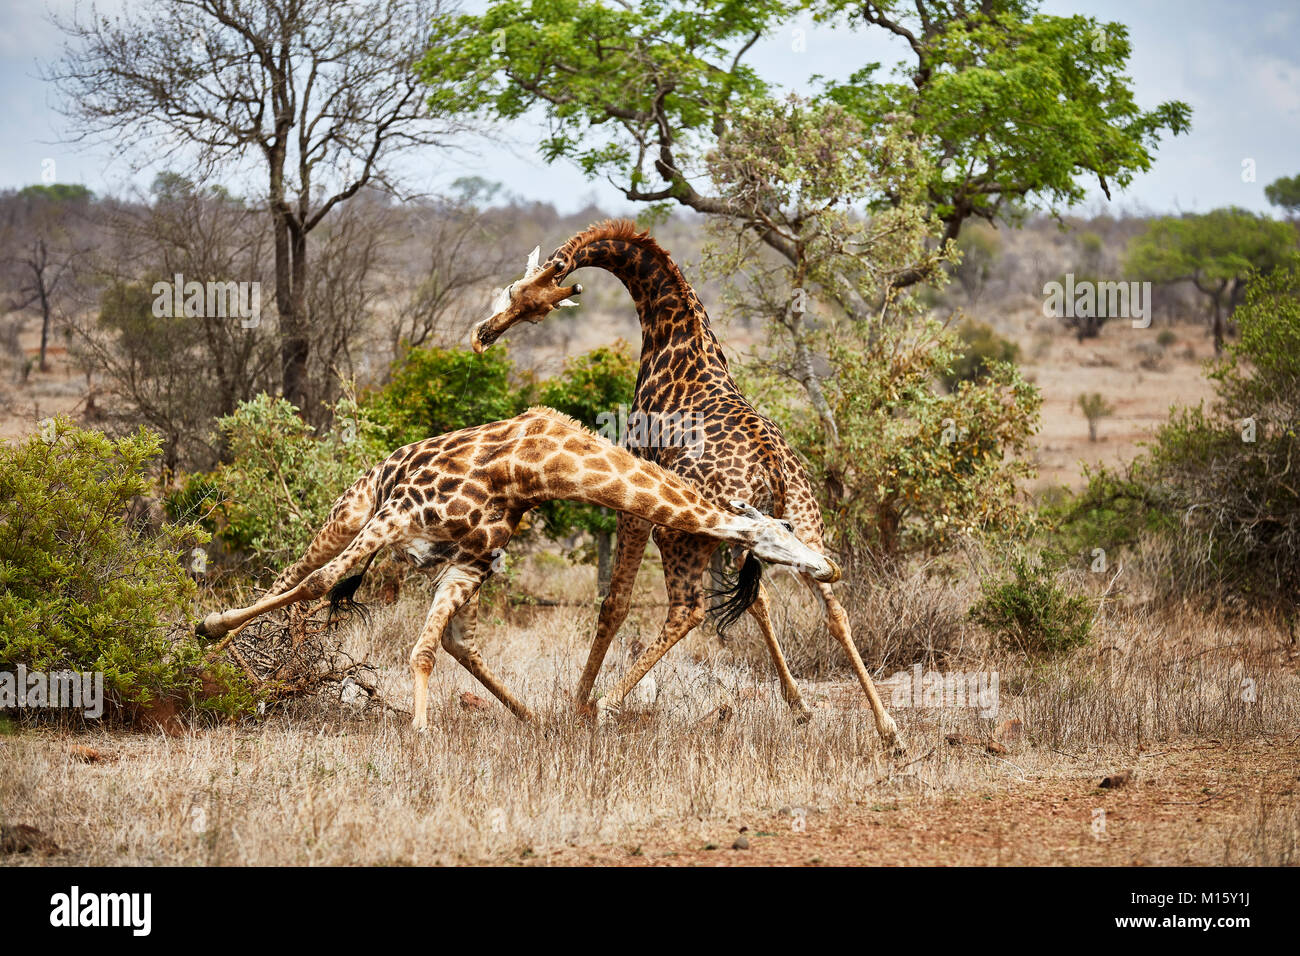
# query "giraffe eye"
(788, 526)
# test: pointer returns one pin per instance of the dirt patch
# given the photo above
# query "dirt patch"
(1189, 806)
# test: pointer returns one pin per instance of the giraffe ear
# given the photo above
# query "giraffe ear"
(565, 302)
(501, 301)
(533, 258)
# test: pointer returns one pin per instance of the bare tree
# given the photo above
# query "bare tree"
(42, 265)
(457, 254)
(173, 370)
(320, 94)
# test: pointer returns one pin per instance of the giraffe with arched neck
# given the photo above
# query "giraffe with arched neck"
(738, 454)
(451, 504)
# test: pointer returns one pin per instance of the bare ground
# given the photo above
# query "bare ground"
(1214, 771)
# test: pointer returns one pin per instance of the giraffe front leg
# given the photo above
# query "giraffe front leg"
(456, 586)
(760, 610)
(839, 625)
(633, 534)
(684, 563)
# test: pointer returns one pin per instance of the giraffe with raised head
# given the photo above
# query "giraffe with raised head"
(738, 452)
(451, 504)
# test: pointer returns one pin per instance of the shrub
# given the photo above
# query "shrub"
(282, 479)
(914, 469)
(981, 348)
(82, 590)
(1220, 478)
(1166, 338)
(1094, 408)
(434, 391)
(1031, 612)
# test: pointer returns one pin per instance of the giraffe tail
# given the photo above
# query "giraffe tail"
(738, 593)
(342, 594)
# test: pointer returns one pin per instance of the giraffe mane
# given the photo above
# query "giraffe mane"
(545, 411)
(627, 231)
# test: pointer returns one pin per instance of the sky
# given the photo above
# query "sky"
(1238, 66)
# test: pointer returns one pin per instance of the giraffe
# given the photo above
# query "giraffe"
(452, 503)
(742, 454)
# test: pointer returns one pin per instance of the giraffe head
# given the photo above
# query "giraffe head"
(529, 299)
(774, 540)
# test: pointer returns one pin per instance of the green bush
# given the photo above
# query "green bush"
(1031, 612)
(434, 391)
(981, 348)
(282, 479)
(82, 590)
(1217, 483)
(914, 469)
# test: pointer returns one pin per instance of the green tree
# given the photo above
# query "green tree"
(1216, 251)
(1094, 407)
(1284, 192)
(1015, 105)
(1015, 108)
(595, 388)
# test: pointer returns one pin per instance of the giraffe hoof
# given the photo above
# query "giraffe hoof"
(801, 712)
(210, 627)
(894, 744)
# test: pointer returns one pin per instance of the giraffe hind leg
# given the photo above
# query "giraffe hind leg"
(348, 516)
(458, 639)
(372, 537)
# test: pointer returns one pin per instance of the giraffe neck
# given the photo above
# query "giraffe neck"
(677, 342)
(599, 473)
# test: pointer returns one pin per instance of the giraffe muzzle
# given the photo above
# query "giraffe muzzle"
(483, 336)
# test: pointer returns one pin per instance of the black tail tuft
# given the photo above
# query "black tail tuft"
(341, 595)
(740, 592)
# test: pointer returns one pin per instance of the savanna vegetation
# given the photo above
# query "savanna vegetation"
(874, 254)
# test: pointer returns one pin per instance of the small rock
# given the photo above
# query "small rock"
(1116, 780)
(742, 843)
(471, 701)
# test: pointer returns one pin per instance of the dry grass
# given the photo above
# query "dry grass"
(337, 786)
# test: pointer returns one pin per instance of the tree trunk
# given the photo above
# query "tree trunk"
(294, 342)
(1218, 322)
(45, 328)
